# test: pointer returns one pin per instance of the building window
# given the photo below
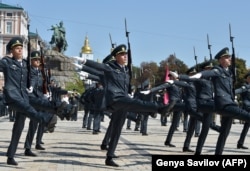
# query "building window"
(9, 28)
(9, 14)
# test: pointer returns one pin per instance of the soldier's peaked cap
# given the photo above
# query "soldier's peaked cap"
(119, 49)
(192, 70)
(15, 41)
(207, 64)
(222, 52)
(35, 55)
(107, 59)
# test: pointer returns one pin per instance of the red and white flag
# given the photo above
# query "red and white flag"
(166, 98)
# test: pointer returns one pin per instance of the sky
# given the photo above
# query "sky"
(157, 28)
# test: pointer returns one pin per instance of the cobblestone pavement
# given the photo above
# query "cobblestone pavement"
(72, 147)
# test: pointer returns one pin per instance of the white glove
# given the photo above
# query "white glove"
(70, 92)
(84, 74)
(235, 98)
(170, 81)
(174, 74)
(83, 78)
(145, 92)
(29, 90)
(47, 96)
(81, 60)
(78, 66)
(198, 75)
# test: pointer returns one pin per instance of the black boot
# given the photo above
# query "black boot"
(11, 161)
(28, 152)
(215, 127)
(241, 146)
(169, 144)
(186, 149)
(60, 110)
(197, 153)
(39, 147)
(109, 162)
(104, 147)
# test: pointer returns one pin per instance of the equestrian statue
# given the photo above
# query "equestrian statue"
(59, 37)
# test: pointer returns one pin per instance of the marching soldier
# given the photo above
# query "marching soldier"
(15, 91)
(225, 104)
(16, 96)
(204, 94)
(244, 91)
(175, 96)
(117, 98)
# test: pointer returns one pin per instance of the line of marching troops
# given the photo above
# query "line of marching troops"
(200, 95)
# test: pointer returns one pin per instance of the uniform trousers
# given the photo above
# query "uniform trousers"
(134, 105)
(164, 120)
(144, 124)
(244, 130)
(16, 134)
(190, 131)
(39, 133)
(229, 113)
(34, 127)
(243, 133)
(106, 138)
(197, 128)
(120, 109)
(43, 104)
(206, 106)
(85, 117)
(185, 121)
(206, 123)
(24, 108)
(116, 123)
(90, 119)
(97, 120)
(128, 123)
(174, 124)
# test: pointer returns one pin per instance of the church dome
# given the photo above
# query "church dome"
(86, 48)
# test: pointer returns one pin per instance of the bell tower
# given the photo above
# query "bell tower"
(86, 50)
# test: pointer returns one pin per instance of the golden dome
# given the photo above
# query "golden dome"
(86, 48)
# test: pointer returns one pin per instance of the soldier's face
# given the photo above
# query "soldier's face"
(225, 61)
(122, 58)
(35, 62)
(17, 52)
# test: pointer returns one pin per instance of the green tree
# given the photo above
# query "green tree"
(174, 64)
(241, 70)
(77, 84)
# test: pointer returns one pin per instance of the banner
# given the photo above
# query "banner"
(166, 98)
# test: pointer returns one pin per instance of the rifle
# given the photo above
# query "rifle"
(129, 57)
(45, 83)
(209, 48)
(233, 56)
(28, 59)
(112, 44)
(196, 63)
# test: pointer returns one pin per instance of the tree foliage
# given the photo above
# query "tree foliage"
(77, 84)
(156, 73)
